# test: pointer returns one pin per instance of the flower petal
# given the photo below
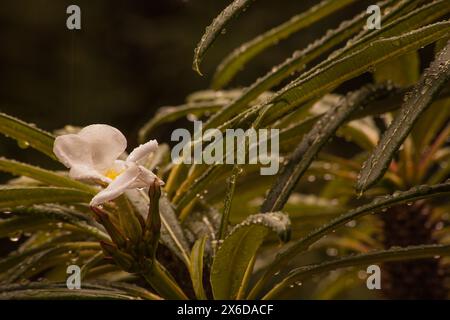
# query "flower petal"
(143, 151)
(75, 154)
(72, 150)
(146, 178)
(118, 186)
(105, 143)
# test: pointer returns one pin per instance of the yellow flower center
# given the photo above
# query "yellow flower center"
(112, 174)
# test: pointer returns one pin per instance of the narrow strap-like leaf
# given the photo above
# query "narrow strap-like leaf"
(39, 174)
(343, 32)
(89, 291)
(24, 218)
(313, 142)
(196, 269)
(13, 197)
(27, 134)
(216, 28)
(394, 254)
(416, 193)
(169, 114)
(234, 62)
(433, 80)
(352, 65)
(228, 201)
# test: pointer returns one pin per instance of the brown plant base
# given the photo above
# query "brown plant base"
(407, 225)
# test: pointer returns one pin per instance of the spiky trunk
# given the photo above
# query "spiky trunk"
(406, 225)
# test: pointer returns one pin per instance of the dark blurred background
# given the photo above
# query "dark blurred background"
(130, 58)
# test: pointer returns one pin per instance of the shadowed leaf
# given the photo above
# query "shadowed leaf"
(216, 28)
(432, 82)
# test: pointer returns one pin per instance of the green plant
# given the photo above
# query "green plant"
(211, 231)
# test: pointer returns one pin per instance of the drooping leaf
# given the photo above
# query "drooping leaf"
(239, 248)
(433, 80)
(235, 62)
(333, 37)
(216, 28)
(27, 134)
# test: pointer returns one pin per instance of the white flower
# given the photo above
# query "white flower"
(92, 156)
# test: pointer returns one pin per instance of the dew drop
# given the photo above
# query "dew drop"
(351, 224)
(332, 252)
(14, 237)
(23, 144)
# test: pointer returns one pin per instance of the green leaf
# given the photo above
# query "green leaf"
(216, 28)
(430, 122)
(332, 38)
(304, 206)
(163, 283)
(363, 132)
(48, 258)
(403, 71)
(89, 291)
(182, 199)
(209, 95)
(13, 197)
(352, 65)
(394, 254)
(17, 225)
(196, 269)
(27, 134)
(235, 62)
(432, 82)
(42, 175)
(377, 205)
(312, 143)
(171, 232)
(38, 217)
(228, 201)
(239, 248)
(169, 114)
